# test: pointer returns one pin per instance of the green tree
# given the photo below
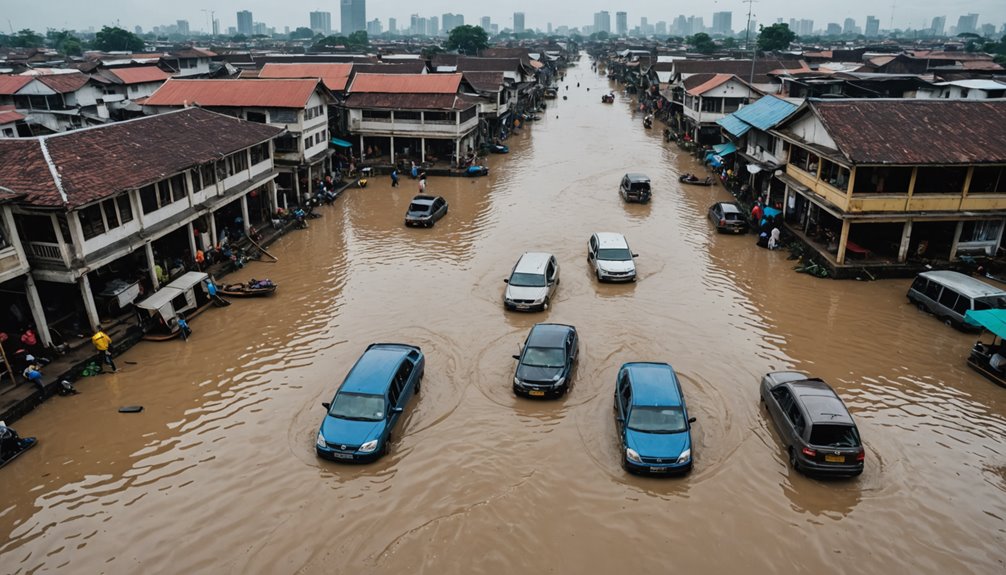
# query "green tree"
(729, 43)
(116, 39)
(468, 40)
(64, 42)
(702, 43)
(302, 32)
(775, 37)
(27, 39)
(429, 51)
(359, 38)
(239, 38)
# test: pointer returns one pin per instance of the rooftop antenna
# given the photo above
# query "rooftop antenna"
(892, 15)
(747, 32)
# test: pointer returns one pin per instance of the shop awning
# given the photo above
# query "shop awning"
(724, 149)
(341, 143)
(994, 320)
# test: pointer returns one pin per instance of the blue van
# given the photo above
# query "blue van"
(369, 403)
(652, 419)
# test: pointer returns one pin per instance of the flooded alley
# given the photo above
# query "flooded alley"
(218, 474)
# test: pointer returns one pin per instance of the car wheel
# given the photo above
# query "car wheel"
(599, 276)
(544, 306)
(921, 306)
(793, 460)
(419, 384)
(948, 321)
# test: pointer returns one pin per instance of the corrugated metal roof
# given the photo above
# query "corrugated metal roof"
(701, 83)
(485, 81)
(914, 132)
(335, 75)
(64, 83)
(765, 113)
(8, 115)
(99, 162)
(734, 125)
(407, 101)
(406, 83)
(139, 74)
(289, 93)
(9, 85)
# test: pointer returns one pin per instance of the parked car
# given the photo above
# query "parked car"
(652, 419)
(425, 211)
(815, 427)
(545, 363)
(369, 403)
(728, 217)
(532, 283)
(635, 188)
(611, 257)
(949, 295)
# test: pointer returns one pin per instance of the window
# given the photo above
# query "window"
(179, 187)
(882, 180)
(237, 163)
(942, 180)
(963, 304)
(283, 116)
(90, 221)
(919, 284)
(111, 214)
(834, 174)
(260, 153)
(981, 231)
(710, 104)
(988, 181)
(376, 115)
(406, 116)
(257, 117)
(163, 193)
(834, 436)
(207, 175)
(287, 143)
(948, 298)
(148, 198)
(933, 290)
(125, 208)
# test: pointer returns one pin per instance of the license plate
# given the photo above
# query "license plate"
(658, 469)
(834, 458)
(520, 306)
(342, 455)
(537, 393)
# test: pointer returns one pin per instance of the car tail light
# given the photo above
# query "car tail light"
(808, 452)
(723, 222)
(861, 456)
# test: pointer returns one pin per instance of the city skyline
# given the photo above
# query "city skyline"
(70, 14)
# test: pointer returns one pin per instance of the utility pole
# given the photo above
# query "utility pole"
(747, 31)
(747, 37)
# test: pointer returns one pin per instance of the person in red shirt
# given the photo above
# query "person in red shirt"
(756, 213)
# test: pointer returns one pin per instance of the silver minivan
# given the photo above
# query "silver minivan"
(532, 283)
(948, 295)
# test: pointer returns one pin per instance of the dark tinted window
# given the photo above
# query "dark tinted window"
(948, 297)
(933, 290)
(963, 304)
(919, 284)
(420, 208)
(834, 436)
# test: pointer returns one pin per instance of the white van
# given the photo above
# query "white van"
(948, 295)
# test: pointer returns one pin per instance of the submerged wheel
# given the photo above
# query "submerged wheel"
(793, 460)
(921, 306)
(544, 306)
(948, 321)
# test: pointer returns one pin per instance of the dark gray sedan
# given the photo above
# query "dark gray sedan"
(815, 427)
(728, 217)
(425, 211)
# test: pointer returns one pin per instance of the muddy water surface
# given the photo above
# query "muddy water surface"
(218, 474)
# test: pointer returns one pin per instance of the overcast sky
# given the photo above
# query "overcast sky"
(83, 14)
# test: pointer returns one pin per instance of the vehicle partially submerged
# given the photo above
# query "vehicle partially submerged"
(983, 357)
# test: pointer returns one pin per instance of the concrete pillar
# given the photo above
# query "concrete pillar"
(213, 229)
(457, 151)
(296, 185)
(392, 149)
(88, 297)
(957, 239)
(244, 213)
(37, 311)
(361, 147)
(149, 249)
(843, 240)
(422, 149)
(273, 202)
(192, 239)
(906, 239)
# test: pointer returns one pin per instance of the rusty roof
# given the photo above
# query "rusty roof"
(8, 114)
(913, 132)
(240, 93)
(192, 53)
(485, 81)
(740, 68)
(388, 101)
(9, 85)
(403, 67)
(406, 83)
(335, 75)
(99, 162)
(139, 74)
(699, 84)
(64, 83)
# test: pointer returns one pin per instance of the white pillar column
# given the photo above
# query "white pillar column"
(192, 239)
(37, 311)
(89, 307)
(957, 240)
(422, 149)
(392, 149)
(457, 151)
(273, 201)
(244, 213)
(906, 240)
(149, 249)
(213, 229)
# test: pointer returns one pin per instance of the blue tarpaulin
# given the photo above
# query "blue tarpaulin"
(724, 149)
(341, 143)
(994, 320)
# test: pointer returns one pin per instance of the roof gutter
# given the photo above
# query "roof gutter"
(52, 169)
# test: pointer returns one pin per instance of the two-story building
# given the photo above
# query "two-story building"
(759, 154)
(420, 116)
(22, 305)
(53, 102)
(711, 97)
(188, 62)
(117, 209)
(894, 181)
(9, 118)
(298, 106)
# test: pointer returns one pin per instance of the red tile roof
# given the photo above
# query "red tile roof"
(485, 81)
(241, 93)
(96, 163)
(334, 75)
(407, 101)
(139, 74)
(8, 115)
(406, 83)
(64, 83)
(701, 83)
(9, 85)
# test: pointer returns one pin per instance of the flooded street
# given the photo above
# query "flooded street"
(218, 474)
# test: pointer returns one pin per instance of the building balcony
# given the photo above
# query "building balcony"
(412, 128)
(48, 253)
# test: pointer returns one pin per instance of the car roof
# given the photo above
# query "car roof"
(653, 384)
(424, 199)
(548, 335)
(611, 240)
(375, 368)
(964, 284)
(637, 177)
(729, 207)
(532, 262)
(820, 402)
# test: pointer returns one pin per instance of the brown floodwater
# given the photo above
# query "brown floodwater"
(218, 473)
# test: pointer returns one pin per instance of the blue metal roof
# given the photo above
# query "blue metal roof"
(653, 384)
(766, 112)
(724, 149)
(735, 126)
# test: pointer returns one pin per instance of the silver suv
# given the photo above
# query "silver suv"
(532, 282)
(611, 257)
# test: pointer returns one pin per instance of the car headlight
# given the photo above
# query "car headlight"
(631, 455)
(320, 442)
(516, 381)
(559, 382)
(368, 446)
(685, 456)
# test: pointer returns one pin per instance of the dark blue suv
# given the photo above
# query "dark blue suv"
(652, 419)
(369, 403)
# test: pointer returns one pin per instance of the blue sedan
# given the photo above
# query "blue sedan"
(652, 419)
(369, 403)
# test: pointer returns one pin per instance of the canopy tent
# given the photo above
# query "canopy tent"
(341, 143)
(993, 320)
(724, 149)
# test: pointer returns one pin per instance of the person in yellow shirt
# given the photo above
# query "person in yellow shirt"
(102, 343)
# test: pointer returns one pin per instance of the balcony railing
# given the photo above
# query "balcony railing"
(47, 252)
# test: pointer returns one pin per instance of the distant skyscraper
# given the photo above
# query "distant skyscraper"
(137, 30)
(433, 26)
(485, 23)
(723, 23)
(621, 23)
(549, 28)
(245, 23)
(353, 16)
(182, 26)
(518, 22)
(806, 28)
(602, 22)
(216, 26)
(661, 28)
(321, 23)
(872, 27)
(967, 24)
(987, 30)
(374, 28)
(849, 27)
(833, 29)
(392, 26)
(939, 25)
(451, 21)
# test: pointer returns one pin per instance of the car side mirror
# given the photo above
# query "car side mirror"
(691, 420)
(515, 356)
(397, 410)
(326, 405)
(635, 255)
(620, 419)
(506, 281)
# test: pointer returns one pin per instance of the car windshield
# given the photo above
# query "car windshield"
(614, 254)
(358, 407)
(657, 420)
(422, 208)
(544, 357)
(834, 436)
(527, 280)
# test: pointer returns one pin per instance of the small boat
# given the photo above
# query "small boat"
(551, 92)
(499, 149)
(989, 359)
(252, 288)
(474, 171)
(186, 297)
(12, 446)
(695, 180)
(607, 98)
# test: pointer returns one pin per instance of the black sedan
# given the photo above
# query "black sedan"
(425, 211)
(545, 364)
(815, 427)
(728, 217)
